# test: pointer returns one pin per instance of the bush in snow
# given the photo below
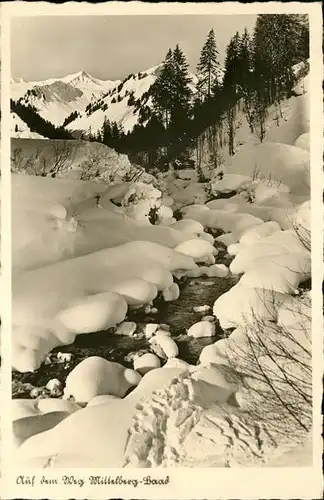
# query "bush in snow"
(275, 366)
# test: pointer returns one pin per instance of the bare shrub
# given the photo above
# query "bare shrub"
(274, 364)
(51, 162)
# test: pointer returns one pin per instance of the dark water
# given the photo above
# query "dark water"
(179, 315)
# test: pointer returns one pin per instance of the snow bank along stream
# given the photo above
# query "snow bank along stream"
(203, 324)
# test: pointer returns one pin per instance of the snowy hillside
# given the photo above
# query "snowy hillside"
(92, 99)
(124, 104)
(72, 159)
(20, 129)
(56, 98)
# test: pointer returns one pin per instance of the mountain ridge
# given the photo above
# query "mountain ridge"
(91, 100)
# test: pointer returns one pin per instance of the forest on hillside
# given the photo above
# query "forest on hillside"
(257, 73)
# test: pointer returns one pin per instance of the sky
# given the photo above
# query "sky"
(111, 47)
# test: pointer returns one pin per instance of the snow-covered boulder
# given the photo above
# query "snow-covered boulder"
(188, 226)
(273, 160)
(136, 291)
(126, 328)
(280, 273)
(227, 239)
(234, 248)
(196, 248)
(171, 293)
(208, 237)
(147, 362)
(203, 308)
(193, 192)
(179, 364)
(194, 273)
(164, 345)
(140, 199)
(213, 354)
(243, 305)
(99, 377)
(255, 233)
(216, 375)
(229, 182)
(202, 329)
(218, 271)
(278, 243)
(54, 386)
(150, 329)
(164, 214)
(227, 221)
(93, 313)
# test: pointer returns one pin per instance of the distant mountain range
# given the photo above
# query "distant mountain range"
(81, 102)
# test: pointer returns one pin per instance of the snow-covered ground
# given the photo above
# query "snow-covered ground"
(86, 254)
(21, 130)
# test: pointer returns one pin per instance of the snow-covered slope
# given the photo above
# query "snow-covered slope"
(56, 98)
(76, 159)
(20, 129)
(127, 102)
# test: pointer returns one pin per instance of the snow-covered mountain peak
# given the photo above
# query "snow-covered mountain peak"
(81, 101)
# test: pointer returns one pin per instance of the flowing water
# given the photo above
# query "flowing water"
(179, 315)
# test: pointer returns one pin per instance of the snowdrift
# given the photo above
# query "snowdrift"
(276, 161)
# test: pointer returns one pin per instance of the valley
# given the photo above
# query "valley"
(161, 262)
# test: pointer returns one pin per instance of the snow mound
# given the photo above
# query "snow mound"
(147, 362)
(196, 248)
(243, 305)
(281, 162)
(55, 220)
(140, 199)
(225, 220)
(229, 182)
(99, 377)
(280, 242)
(85, 294)
(202, 329)
(303, 141)
(255, 233)
(188, 226)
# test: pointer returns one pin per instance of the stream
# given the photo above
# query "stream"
(179, 315)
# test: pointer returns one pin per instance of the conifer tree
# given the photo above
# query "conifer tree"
(278, 39)
(231, 84)
(181, 92)
(232, 73)
(106, 132)
(161, 90)
(246, 79)
(208, 66)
